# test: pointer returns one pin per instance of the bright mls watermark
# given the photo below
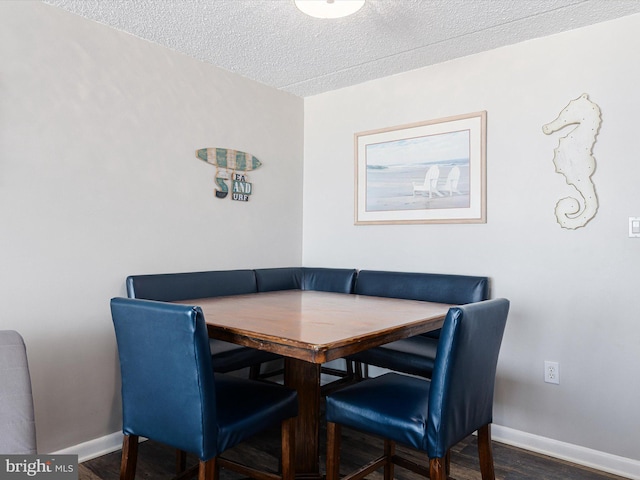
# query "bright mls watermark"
(50, 467)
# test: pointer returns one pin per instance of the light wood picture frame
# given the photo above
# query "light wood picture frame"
(426, 172)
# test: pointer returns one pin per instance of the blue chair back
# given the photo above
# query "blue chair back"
(169, 287)
(168, 390)
(463, 381)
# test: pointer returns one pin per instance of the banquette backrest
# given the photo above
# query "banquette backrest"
(431, 287)
(337, 280)
(272, 279)
(426, 287)
(169, 287)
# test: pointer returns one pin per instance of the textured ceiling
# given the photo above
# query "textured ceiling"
(272, 42)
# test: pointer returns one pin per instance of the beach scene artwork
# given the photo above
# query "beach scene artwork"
(426, 172)
(422, 173)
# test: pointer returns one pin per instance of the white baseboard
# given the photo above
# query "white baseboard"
(606, 462)
(94, 448)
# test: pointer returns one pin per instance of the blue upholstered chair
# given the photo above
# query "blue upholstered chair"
(170, 393)
(428, 415)
(169, 287)
(17, 423)
(415, 355)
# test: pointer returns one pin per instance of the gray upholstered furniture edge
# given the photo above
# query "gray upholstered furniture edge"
(17, 421)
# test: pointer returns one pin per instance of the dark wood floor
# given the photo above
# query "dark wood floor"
(156, 461)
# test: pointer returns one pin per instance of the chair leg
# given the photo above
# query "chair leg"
(129, 457)
(254, 372)
(389, 452)
(181, 461)
(437, 469)
(447, 462)
(485, 452)
(208, 470)
(358, 371)
(288, 449)
(349, 373)
(333, 451)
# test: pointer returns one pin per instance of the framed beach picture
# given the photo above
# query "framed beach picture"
(427, 172)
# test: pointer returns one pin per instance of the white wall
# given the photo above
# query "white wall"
(573, 293)
(99, 180)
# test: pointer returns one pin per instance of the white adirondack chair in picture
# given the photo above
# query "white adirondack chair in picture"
(430, 182)
(452, 181)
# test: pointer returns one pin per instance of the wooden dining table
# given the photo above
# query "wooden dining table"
(309, 328)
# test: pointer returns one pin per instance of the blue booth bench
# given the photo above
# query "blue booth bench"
(226, 356)
(169, 287)
(413, 355)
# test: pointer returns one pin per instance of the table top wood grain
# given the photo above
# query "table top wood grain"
(316, 326)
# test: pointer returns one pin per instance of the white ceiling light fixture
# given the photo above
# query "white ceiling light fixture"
(329, 8)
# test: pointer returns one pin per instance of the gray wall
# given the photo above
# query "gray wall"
(573, 293)
(99, 180)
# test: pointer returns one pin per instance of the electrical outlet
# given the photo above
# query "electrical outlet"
(551, 372)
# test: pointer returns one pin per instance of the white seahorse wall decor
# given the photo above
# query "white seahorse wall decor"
(574, 159)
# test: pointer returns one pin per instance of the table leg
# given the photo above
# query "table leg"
(305, 378)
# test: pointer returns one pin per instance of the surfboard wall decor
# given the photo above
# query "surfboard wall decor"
(231, 165)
